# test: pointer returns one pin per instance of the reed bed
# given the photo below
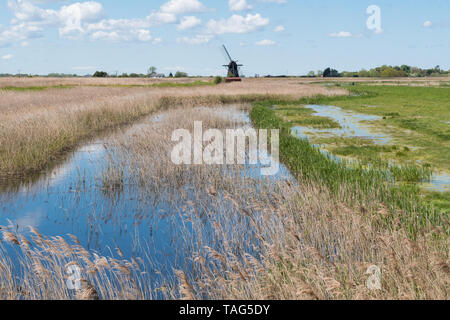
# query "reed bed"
(356, 183)
(240, 235)
(249, 237)
(38, 127)
(302, 242)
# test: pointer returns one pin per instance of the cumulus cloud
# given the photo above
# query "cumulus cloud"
(237, 24)
(30, 20)
(238, 5)
(188, 22)
(198, 39)
(177, 7)
(265, 42)
(86, 19)
(427, 24)
(7, 57)
(279, 28)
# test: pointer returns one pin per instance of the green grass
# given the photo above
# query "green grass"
(415, 117)
(304, 117)
(440, 200)
(354, 183)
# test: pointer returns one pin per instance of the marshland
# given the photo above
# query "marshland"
(86, 180)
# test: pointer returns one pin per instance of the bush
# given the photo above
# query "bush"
(100, 74)
(180, 74)
(218, 80)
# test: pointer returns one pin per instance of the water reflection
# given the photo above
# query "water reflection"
(354, 125)
(72, 199)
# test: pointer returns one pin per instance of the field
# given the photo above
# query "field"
(416, 120)
(91, 158)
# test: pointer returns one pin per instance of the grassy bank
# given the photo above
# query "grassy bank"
(359, 185)
(415, 118)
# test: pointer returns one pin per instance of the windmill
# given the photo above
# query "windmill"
(233, 68)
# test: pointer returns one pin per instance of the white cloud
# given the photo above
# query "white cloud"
(198, 39)
(29, 20)
(341, 34)
(141, 35)
(182, 6)
(188, 22)
(279, 28)
(78, 21)
(238, 5)
(427, 24)
(265, 42)
(72, 17)
(86, 20)
(237, 24)
(7, 57)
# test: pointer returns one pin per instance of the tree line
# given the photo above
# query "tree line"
(383, 71)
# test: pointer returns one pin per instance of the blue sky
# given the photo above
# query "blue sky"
(268, 36)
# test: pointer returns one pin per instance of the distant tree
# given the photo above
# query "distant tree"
(363, 73)
(311, 74)
(328, 73)
(406, 69)
(390, 72)
(100, 74)
(151, 71)
(180, 74)
(171, 75)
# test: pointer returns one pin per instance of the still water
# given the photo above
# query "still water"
(355, 125)
(71, 199)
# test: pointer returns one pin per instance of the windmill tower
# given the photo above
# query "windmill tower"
(233, 68)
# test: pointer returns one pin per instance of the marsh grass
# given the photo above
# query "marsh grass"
(304, 117)
(414, 117)
(288, 240)
(38, 127)
(355, 183)
(35, 88)
(40, 271)
(241, 236)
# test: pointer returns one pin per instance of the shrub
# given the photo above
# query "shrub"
(100, 74)
(180, 74)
